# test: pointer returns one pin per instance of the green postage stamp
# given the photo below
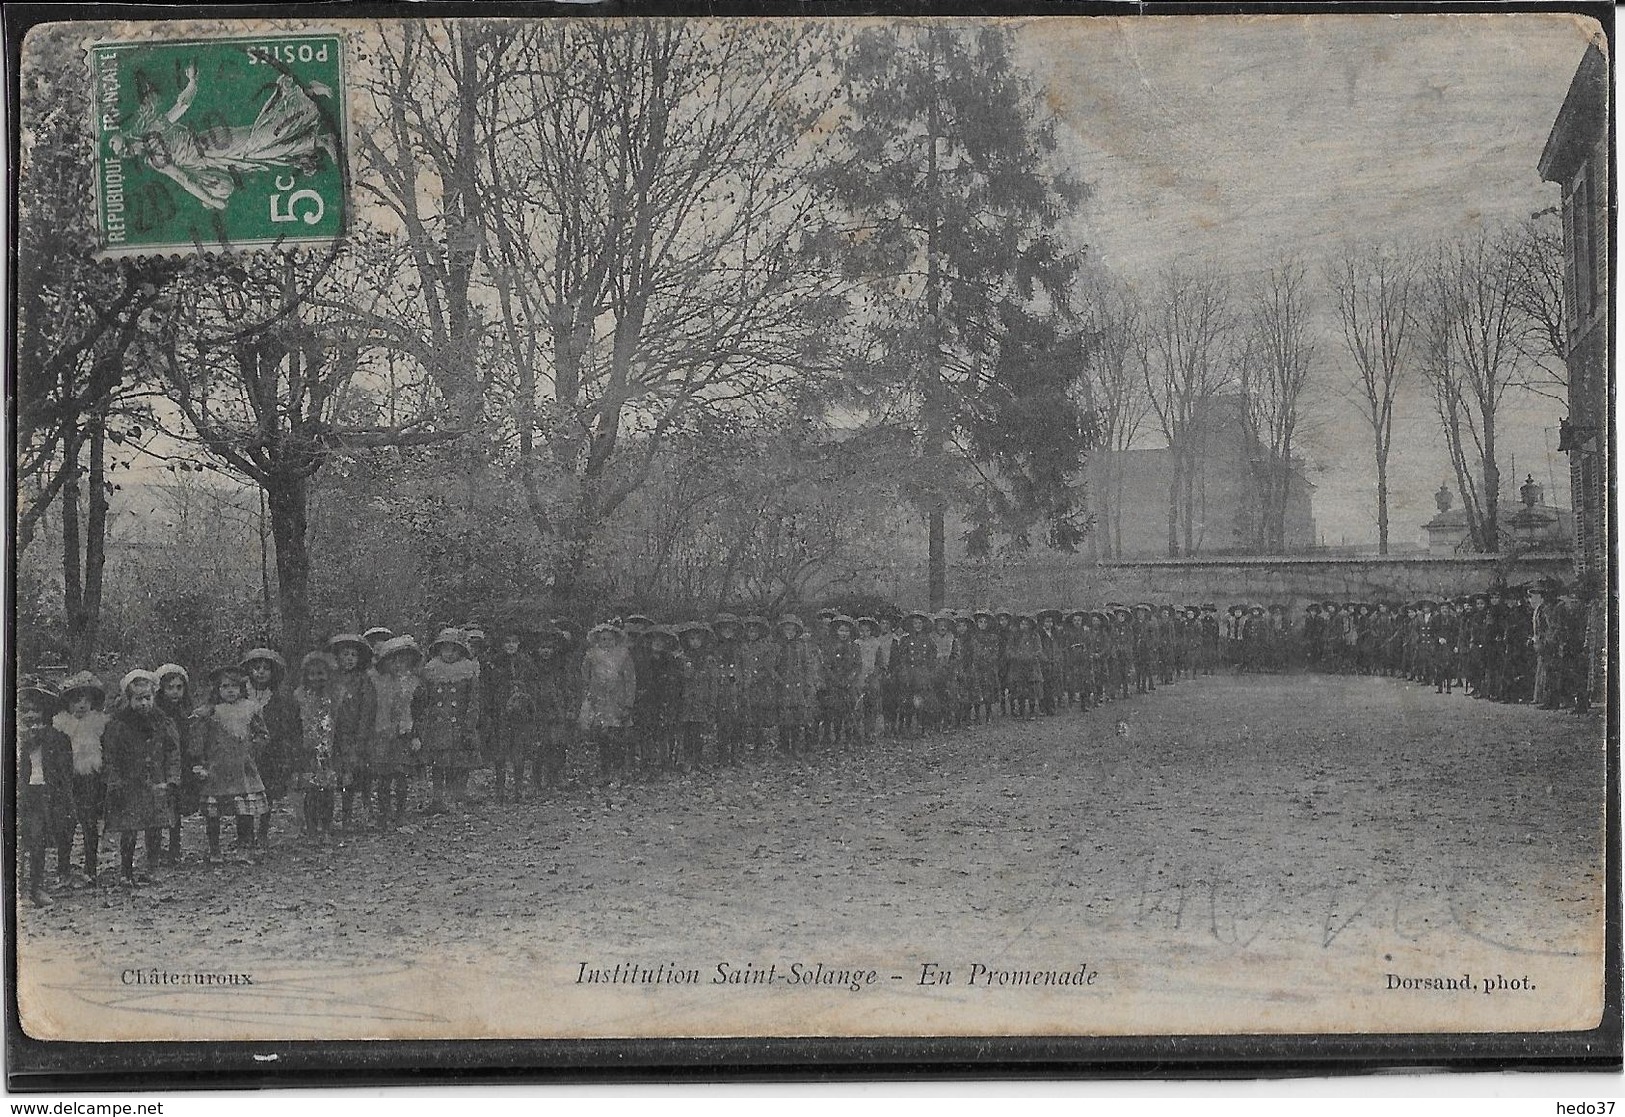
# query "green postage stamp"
(219, 143)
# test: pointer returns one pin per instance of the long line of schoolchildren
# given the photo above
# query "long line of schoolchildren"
(365, 716)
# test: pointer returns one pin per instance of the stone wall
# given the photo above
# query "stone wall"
(1049, 578)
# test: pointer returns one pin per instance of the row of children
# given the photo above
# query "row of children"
(1523, 643)
(367, 713)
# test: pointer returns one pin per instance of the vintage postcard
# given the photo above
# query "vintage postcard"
(653, 528)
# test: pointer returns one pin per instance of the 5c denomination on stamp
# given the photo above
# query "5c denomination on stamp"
(219, 143)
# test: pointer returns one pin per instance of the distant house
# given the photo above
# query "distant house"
(1576, 158)
(1225, 504)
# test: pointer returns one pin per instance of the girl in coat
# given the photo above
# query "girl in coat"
(508, 681)
(843, 681)
(762, 680)
(914, 665)
(697, 711)
(395, 747)
(175, 703)
(1074, 638)
(142, 762)
(984, 684)
(83, 723)
(799, 675)
(1025, 658)
(660, 686)
(962, 667)
(267, 672)
(873, 656)
(1053, 660)
(450, 725)
(315, 762)
(355, 709)
(226, 738)
(44, 769)
(730, 687)
(555, 711)
(609, 686)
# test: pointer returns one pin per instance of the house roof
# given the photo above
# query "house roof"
(1582, 120)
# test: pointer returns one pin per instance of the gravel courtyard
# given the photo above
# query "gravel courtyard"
(1264, 853)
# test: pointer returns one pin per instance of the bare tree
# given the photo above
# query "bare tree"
(1279, 352)
(1116, 391)
(1538, 296)
(1183, 372)
(268, 388)
(1472, 358)
(648, 248)
(1375, 288)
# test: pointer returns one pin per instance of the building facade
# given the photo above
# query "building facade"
(1130, 491)
(1576, 159)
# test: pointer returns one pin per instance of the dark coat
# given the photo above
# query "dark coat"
(141, 759)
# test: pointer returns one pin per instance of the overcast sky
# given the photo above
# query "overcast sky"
(1246, 138)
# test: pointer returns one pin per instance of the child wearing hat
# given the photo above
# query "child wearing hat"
(555, 710)
(81, 720)
(660, 683)
(44, 771)
(985, 648)
(914, 662)
(509, 683)
(449, 727)
(355, 709)
(175, 702)
(267, 671)
(394, 746)
(1024, 655)
(762, 681)
(843, 681)
(227, 737)
(730, 686)
(799, 675)
(142, 762)
(608, 689)
(315, 762)
(696, 716)
(873, 651)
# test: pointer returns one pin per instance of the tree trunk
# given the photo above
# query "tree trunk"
(1189, 482)
(936, 416)
(287, 498)
(72, 557)
(1382, 502)
(89, 618)
(1176, 468)
(1492, 487)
